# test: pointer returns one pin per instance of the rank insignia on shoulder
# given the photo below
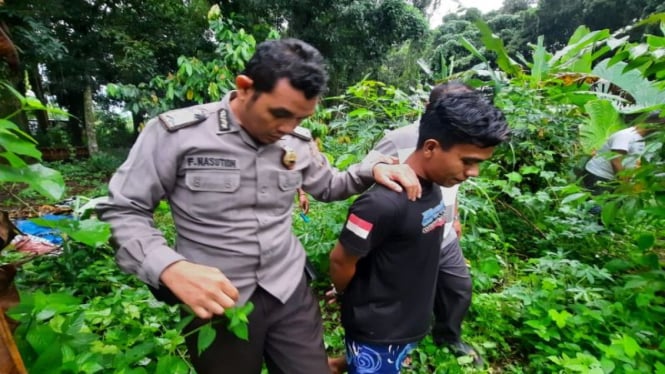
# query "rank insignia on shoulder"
(176, 119)
(302, 133)
(223, 120)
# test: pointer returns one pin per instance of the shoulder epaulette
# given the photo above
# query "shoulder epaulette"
(176, 119)
(302, 133)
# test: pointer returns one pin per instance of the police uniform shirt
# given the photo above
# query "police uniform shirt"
(231, 199)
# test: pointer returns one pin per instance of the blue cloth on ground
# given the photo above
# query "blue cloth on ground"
(51, 235)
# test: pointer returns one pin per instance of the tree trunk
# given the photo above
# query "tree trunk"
(36, 83)
(73, 101)
(89, 114)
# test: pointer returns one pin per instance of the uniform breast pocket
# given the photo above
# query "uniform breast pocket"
(289, 180)
(287, 183)
(212, 193)
(213, 181)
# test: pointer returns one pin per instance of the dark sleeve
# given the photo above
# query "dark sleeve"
(370, 220)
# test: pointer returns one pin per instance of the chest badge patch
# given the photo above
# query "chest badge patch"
(289, 157)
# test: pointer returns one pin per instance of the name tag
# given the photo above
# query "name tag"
(209, 162)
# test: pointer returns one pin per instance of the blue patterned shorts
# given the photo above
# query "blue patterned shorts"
(365, 358)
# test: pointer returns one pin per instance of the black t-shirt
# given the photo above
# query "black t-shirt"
(390, 298)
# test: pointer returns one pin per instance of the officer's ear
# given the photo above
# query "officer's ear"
(244, 83)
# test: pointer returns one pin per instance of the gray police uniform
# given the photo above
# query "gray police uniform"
(231, 199)
(454, 288)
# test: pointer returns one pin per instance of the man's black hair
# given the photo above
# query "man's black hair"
(289, 58)
(441, 89)
(463, 118)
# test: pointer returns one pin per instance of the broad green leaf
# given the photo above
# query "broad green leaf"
(136, 353)
(14, 160)
(655, 41)
(603, 121)
(490, 266)
(171, 365)
(14, 144)
(48, 361)
(540, 65)
(47, 182)
(32, 103)
(560, 318)
(576, 56)
(576, 196)
(41, 336)
(609, 212)
(360, 113)
(645, 92)
(514, 177)
(630, 346)
(206, 336)
(495, 44)
(646, 241)
(240, 330)
(91, 232)
(184, 321)
(654, 18)
(9, 125)
(44, 314)
(529, 169)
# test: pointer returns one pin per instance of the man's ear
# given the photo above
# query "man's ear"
(244, 82)
(429, 146)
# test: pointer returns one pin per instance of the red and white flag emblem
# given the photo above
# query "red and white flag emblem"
(359, 226)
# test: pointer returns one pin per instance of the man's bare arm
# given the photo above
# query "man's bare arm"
(342, 267)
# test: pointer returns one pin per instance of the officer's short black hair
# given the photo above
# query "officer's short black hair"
(288, 58)
(463, 118)
(441, 89)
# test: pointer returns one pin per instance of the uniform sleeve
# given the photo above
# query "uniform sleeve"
(370, 220)
(325, 183)
(134, 191)
(386, 146)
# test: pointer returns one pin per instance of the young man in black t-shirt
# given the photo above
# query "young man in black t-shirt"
(385, 262)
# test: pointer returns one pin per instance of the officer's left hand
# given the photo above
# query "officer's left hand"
(397, 178)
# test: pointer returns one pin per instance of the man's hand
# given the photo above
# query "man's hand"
(205, 289)
(303, 201)
(331, 296)
(397, 177)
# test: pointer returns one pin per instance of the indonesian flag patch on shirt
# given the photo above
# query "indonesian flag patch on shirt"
(358, 226)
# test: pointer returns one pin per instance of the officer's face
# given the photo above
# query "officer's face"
(269, 116)
(450, 167)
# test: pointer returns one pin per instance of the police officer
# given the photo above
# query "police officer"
(230, 171)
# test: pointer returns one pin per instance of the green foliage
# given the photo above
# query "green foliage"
(18, 146)
(196, 80)
(357, 120)
(603, 121)
(113, 131)
(556, 288)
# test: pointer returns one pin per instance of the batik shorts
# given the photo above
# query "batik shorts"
(364, 358)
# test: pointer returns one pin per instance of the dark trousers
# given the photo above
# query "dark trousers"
(288, 336)
(593, 183)
(453, 295)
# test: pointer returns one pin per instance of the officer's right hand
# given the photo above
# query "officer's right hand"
(205, 289)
